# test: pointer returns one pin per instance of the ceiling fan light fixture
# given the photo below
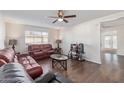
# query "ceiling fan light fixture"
(60, 19)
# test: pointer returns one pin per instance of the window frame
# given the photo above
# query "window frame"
(34, 35)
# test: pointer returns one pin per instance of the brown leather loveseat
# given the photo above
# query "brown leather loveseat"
(40, 51)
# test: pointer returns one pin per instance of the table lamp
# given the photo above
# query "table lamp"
(58, 42)
(13, 42)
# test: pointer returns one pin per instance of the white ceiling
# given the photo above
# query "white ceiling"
(42, 15)
(113, 23)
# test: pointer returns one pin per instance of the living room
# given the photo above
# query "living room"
(90, 42)
(38, 36)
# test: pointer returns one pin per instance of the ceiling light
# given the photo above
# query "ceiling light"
(60, 19)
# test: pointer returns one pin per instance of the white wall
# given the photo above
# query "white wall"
(120, 40)
(2, 32)
(89, 34)
(84, 33)
(17, 31)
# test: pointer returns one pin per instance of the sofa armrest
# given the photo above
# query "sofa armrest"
(50, 77)
(62, 79)
(45, 78)
(2, 62)
(22, 55)
(53, 49)
(30, 52)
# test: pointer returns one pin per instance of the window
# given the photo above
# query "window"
(36, 37)
(107, 41)
(110, 41)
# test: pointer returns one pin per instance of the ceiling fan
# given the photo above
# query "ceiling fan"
(61, 17)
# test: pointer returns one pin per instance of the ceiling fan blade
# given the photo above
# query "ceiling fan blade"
(52, 16)
(69, 16)
(54, 21)
(66, 21)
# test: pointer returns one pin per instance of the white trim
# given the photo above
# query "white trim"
(9, 19)
(97, 62)
(120, 54)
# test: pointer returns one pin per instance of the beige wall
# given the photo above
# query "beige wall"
(2, 32)
(17, 31)
(120, 39)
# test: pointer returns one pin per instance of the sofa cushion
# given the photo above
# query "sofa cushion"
(7, 54)
(41, 47)
(47, 49)
(50, 51)
(49, 46)
(31, 66)
(38, 53)
(35, 72)
(44, 51)
(34, 47)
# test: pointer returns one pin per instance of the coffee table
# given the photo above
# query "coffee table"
(59, 59)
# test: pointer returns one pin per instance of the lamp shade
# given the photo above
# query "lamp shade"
(58, 41)
(12, 42)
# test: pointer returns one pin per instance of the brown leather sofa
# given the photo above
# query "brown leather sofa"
(30, 65)
(15, 73)
(14, 69)
(40, 51)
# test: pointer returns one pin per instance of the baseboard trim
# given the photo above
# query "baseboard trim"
(93, 61)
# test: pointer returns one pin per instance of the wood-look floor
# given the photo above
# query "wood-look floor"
(110, 71)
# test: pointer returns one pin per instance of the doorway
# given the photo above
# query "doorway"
(109, 41)
(112, 47)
